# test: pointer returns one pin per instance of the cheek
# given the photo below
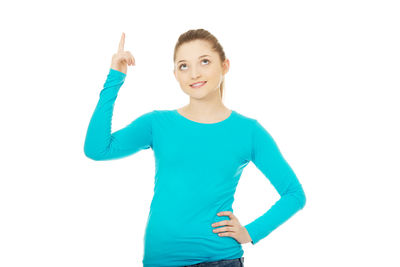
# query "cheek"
(184, 79)
(213, 75)
(212, 81)
(181, 80)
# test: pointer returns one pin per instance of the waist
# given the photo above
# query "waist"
(190, 246)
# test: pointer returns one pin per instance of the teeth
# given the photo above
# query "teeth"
(196, 84)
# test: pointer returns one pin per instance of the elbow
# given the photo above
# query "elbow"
(86, 150)
(298, 196)
(89, 154)
(303, 201)
(301, 197)
(91, 151)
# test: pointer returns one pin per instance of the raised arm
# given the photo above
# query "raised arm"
(267, 157)
(100, 143)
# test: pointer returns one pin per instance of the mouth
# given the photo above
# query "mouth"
(198, 84)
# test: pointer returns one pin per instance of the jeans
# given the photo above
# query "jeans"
(239, 262)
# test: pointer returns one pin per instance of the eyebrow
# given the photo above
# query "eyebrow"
(199, 57)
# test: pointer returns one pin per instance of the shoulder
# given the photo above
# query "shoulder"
(162, 116)
(155, 113)
(255, 125)
(246, 119)
(162, 112)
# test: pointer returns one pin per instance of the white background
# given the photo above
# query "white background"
(321, 76)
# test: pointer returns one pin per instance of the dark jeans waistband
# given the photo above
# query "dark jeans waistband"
(239, 262)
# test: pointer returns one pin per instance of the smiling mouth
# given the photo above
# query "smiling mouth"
(199, 84)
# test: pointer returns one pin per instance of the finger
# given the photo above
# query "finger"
(131, 56)
(126, 57)
(226, 234)
(122, 43)
(226, 213)
(224, 229)
(220, 223)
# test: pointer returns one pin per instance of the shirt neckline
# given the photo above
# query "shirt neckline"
(203, 123)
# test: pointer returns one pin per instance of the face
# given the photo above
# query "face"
(197, 62)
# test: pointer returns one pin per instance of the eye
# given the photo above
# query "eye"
(181, 66)
(206, 60)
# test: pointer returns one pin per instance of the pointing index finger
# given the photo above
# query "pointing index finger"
(122, 43)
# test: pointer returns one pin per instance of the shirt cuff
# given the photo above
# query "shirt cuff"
(117, 73)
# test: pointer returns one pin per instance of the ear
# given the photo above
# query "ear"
(226, 65)
(174, 72)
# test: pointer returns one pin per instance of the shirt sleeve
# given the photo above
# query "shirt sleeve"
(100, 143)
(267, 157)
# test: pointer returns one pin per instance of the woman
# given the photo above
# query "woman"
(200, 152)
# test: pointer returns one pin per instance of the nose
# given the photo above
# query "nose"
(195, 74)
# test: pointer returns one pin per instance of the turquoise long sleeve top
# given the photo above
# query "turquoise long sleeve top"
(197, 169)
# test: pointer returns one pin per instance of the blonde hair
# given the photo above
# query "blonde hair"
(201, 34)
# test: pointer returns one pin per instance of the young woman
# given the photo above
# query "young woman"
(200, 152)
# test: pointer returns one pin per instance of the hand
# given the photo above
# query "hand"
(234, 228)
(122, 58)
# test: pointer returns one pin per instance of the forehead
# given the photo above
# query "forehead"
(193, 49)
